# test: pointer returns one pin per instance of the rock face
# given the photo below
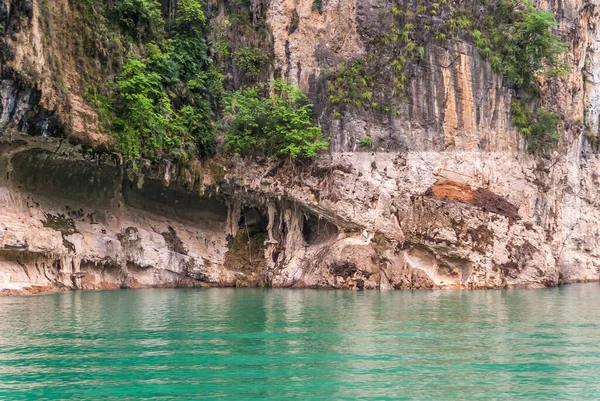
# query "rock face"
(447, 196)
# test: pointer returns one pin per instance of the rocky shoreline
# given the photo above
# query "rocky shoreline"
(76, 220)
(447, 193)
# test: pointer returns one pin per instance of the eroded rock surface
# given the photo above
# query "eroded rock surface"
(447, 196)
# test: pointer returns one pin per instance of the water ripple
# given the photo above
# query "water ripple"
(257, 344)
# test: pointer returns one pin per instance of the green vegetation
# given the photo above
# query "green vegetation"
(165, 102)
(140, 18)
(513, 35)
(221, 45)
(365, 82)
(273, 119)
(317, 5)
(250, 61)
(217, 172)
(152, 72)
(246, 24)
(539, 129)
(166, 91)
(365, 142)
(352, 85)
(518, 41)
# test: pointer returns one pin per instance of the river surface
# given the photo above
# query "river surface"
(165, 344)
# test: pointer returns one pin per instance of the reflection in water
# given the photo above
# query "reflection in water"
(202, 344)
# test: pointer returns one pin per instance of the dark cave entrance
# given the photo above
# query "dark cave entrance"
(316, 230)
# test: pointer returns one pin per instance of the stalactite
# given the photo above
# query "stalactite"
(272, 244)
(233, 217)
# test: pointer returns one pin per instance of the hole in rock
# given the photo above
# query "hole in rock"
(315, 230)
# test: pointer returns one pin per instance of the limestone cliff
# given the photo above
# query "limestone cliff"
(447, 196)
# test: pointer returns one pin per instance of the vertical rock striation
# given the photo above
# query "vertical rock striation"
(447, 196)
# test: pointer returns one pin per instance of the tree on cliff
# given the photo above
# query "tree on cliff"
(275, 120)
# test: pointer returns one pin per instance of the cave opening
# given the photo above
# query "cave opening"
(316, 230)
(246, 249)
(253, 219)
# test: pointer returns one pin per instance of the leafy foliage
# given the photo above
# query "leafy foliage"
(317, 5)
(518, 40)
(539, 129)
(250, 61)
(273, 119)
(378, 80)
(365, 142)
(140, 18)
(220, 45)
(143, 109)
(352, 85)
(164, 98)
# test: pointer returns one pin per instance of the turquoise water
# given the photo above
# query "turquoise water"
(302, 344)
